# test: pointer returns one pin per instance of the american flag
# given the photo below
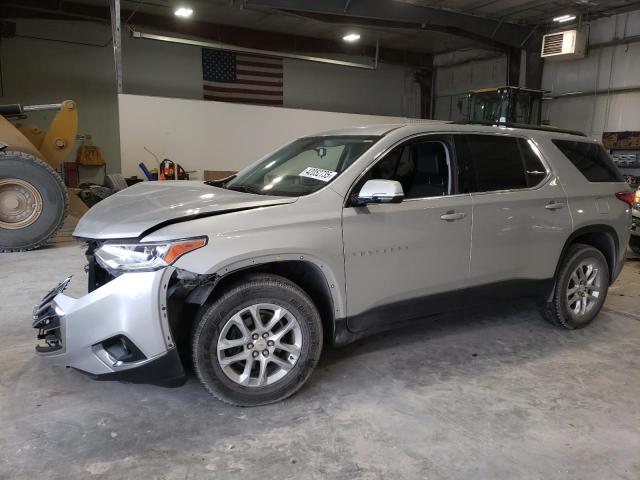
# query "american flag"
(241, 78)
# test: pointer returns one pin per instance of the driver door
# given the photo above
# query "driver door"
(401, 259)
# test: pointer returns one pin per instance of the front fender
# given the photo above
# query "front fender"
(307, 230)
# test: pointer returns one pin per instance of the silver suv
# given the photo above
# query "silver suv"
(330, 238)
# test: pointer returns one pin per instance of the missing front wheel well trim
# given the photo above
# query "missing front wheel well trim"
(304, 274)
(188, 292)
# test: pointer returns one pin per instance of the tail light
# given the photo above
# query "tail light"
(626, 197)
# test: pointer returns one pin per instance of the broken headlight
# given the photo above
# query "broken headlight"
(119, 258)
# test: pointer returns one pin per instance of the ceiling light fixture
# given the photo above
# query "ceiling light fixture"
(564, 18)
(183, 12)
(351, 37)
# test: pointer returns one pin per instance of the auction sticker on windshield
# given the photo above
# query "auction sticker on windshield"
(318, 174)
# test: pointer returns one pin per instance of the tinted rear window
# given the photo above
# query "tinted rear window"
(492, 163)
(591, 159)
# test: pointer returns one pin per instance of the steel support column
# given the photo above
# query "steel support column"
(117, 42)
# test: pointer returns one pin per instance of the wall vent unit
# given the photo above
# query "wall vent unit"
(564, 45)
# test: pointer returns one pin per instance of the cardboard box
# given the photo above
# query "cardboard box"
(629, 140)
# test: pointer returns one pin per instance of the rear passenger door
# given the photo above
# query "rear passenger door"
(520, 214)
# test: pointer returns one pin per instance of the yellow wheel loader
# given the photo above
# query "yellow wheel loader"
(33, 198)
(517, 105)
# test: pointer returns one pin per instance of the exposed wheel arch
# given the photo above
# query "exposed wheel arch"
(310, 277)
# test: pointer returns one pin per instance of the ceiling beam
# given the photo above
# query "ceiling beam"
(239, 36)
(426, 18)
(399, 25)
(543, 5)
(480, 4)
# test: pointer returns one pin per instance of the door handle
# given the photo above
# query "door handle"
(552, 205)
(451, 216)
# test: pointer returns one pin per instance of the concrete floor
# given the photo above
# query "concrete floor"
(495, 395)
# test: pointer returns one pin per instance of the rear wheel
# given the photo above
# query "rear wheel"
(33, 202)
(259, 342)
(580, 289)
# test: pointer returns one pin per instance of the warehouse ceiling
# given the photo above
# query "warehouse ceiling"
(422, 26)
(529, 12)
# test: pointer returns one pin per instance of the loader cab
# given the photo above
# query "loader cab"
(506, 105)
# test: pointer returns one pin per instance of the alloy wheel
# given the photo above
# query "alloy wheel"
(259, 345)
(584, 288)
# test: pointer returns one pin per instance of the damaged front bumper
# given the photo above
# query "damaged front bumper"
(119, 331)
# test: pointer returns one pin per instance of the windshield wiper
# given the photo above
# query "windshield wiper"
(220, 182)
(245, 189)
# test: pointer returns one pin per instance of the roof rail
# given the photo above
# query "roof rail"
(526, 126)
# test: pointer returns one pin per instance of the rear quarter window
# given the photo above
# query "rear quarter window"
(591, 159)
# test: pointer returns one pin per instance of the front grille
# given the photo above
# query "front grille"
(47, 321)
(48, 325)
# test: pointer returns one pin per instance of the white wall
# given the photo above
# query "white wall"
(202, 135)
(454, 81)
(45, 71)
(603, 68)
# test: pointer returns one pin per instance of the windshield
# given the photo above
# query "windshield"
(488, 106)
(302, 167)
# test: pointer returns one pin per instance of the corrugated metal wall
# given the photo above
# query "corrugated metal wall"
(457, 73)
(606, 70)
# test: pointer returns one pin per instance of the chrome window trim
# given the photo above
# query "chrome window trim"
(529, 139)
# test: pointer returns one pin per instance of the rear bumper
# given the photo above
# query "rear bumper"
(119, 331)
(635, 223)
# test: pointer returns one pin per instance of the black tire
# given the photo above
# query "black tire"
(248, 290)
(557, 311)
(55, 201)
(634, 244)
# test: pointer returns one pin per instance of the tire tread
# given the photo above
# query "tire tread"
(255, 280)
(551, 311)
(42, 164)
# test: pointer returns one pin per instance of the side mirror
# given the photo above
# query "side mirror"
(380, 191)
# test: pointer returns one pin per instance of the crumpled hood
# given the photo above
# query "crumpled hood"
(134, 210)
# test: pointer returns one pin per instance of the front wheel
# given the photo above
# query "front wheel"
(580, 289)
(259, 342)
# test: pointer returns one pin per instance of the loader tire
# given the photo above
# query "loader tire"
(33, 202)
